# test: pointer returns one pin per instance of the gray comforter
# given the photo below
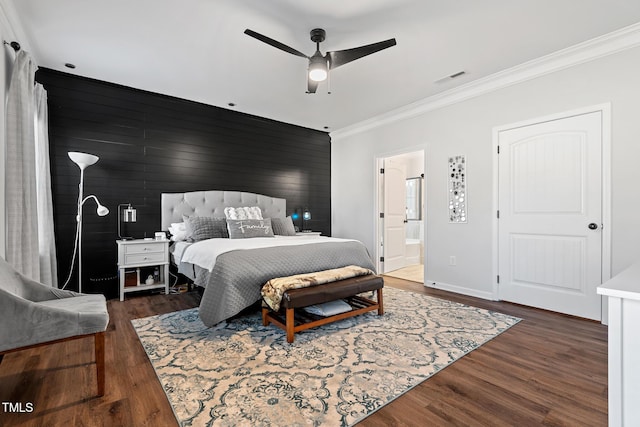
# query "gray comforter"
(237, 277)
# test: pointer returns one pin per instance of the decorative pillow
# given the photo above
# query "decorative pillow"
(177, 235)
(252, 212)
(247, 228)
(203, 228)
(283, 226)
(330, 308)
(178, 226)
(178, 231)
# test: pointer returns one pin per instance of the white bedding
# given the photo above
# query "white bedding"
(204, 253)
(178, 250)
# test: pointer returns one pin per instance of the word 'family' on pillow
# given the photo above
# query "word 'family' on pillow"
(252, 212)
(283, 226)
(203, 228)
(247, 228)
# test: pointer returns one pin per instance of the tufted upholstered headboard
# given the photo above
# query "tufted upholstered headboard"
(212, 203)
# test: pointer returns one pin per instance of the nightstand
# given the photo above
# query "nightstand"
(140, 258)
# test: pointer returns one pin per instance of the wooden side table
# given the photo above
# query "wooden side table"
(140, 258)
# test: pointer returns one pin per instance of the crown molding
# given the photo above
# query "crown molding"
(608, 44)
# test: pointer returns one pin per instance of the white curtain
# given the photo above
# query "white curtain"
(21, 176)
(46, 237)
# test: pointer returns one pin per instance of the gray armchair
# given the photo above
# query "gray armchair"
(32, 314)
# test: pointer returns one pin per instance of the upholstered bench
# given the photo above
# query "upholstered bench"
(292, 320)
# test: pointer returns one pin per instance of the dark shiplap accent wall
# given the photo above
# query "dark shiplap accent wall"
(149, 144)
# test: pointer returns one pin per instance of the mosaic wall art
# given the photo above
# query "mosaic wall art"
(457, 189)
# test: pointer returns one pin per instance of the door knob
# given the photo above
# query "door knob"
(593, 226)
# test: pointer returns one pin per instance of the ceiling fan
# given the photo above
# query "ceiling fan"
(320, 65)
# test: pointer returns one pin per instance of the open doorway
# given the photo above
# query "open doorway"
(401, 219)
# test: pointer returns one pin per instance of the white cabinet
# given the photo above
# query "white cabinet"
(623, 292)
(139, 259)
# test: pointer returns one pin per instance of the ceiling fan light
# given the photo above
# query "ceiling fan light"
(318, 69)
(318, 75)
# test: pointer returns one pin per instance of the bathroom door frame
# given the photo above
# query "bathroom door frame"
(379, 203)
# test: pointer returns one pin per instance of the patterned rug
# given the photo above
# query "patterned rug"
(240, 373)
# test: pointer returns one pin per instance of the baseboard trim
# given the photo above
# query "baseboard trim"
(459, 289)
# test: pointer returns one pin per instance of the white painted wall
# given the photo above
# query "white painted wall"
(415, 164)
(466, 128)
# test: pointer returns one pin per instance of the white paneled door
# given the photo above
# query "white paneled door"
(395, 215)
(550, 215)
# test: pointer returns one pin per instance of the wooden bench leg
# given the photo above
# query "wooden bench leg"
(380, 303)
(265, 318)
(100, 366)
(290, 322)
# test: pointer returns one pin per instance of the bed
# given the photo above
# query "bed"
(232, 271)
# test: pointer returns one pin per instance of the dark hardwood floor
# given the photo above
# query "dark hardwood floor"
(548, 370)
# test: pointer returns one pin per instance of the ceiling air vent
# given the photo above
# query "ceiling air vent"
(451, 76)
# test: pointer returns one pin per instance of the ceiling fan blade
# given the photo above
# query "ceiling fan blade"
(311, 86)
(274, 43)
(341, 57)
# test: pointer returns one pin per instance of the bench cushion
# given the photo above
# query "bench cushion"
(274, 289)
(303, 297)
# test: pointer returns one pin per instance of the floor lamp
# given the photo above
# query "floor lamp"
(83, 160)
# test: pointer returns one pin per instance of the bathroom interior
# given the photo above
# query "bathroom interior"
(414, 225)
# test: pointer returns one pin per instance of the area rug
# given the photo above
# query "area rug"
(240, 373)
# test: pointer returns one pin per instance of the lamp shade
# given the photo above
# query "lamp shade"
(130, 214)
(102, 210)
(82, 159)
